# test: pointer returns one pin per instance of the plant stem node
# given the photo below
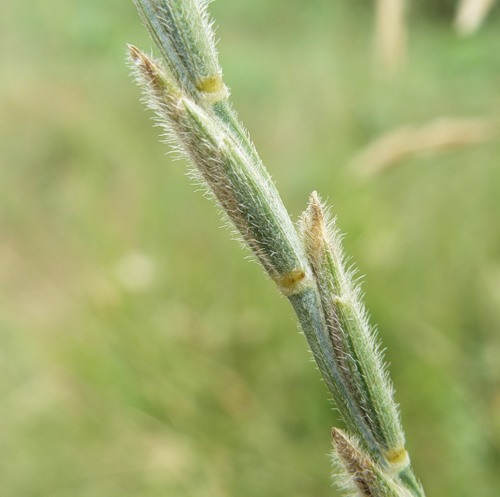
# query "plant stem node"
(213, 89)
(292, 282)
(398, 457)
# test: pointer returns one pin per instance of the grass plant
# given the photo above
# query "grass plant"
(187, 92)
(140, 356)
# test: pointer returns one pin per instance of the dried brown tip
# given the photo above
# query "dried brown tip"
(148, 69)
(314, 228)
(134, 53)
(316, 209)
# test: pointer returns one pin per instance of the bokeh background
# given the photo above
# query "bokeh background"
(139, 353)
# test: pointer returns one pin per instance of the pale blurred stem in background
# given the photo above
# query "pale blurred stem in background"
(391, 34)
(471, 14)
(191, 102)
(435, 137)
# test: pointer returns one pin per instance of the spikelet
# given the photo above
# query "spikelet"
(353, 339)
(246, 195)
(358, 474)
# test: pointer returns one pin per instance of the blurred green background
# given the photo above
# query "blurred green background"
(139, 353)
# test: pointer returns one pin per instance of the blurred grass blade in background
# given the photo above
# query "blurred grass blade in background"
(471, 14)
(391, 34)
(436, 137)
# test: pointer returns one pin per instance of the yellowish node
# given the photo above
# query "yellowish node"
(290, 283)
(212, 84)
(398, 457)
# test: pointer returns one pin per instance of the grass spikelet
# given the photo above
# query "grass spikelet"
(358, 474)
(352, 337)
